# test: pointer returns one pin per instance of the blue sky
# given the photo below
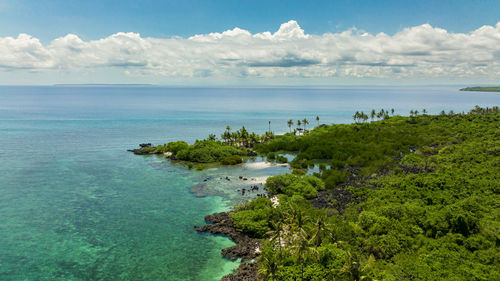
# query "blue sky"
(94, 20)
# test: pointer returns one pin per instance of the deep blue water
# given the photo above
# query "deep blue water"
(75, 205)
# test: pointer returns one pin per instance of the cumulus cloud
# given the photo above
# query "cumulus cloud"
(419, 51)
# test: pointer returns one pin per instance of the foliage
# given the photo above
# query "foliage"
(206, 151)
(231, 160)
(428, 192)
(176, 146)
(253, 217)
(481, 89)
(292, 184)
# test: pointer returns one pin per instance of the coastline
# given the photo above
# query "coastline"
(246, 248)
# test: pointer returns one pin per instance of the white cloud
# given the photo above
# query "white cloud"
(421, 51)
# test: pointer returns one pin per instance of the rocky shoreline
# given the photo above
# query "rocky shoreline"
(246, 247)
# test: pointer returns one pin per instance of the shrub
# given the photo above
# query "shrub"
(281, 159)
(291, 184)
(232, 160)
(176, 146)
(207, 151)
(271, 156)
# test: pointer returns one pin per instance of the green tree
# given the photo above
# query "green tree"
(290, 124)
(305, 122)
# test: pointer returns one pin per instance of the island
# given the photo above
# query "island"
(481, 89)
(395, 198)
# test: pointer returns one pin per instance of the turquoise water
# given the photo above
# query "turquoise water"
(75, 205)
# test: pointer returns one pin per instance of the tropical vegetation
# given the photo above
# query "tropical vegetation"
(402, 198)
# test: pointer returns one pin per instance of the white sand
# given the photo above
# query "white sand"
(262, 165)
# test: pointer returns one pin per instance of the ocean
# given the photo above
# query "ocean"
(75, 205)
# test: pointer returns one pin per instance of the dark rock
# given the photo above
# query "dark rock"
(222, 224)
(145, 145)
(227, 178)
(246, 272)
(251, 153)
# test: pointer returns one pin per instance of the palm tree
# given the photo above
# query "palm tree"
(424, 111)
(254, 138)
(355, 116)
(226, 136)
(269, 125)
(373, 114)
(320, 225)
(411, 112)
(298, 124)
(392, 111)
(244, 136)
(211, 137)
(364, 116)
(305, 122)
(270, 266)
(276, 233)
(381, 113)
(317, 120)
(290, 124)
(301, 248)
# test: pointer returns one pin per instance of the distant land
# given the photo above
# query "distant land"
(481, 89)
(101, 85)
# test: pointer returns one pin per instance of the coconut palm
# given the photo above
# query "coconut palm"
(373, 114)
(317, 119)
(276, 233)
(270, 267)
(290, 124)
(301, 248)
(364, 116)
(355, 116)
(305, 122)
(392, 111)
(212, 137)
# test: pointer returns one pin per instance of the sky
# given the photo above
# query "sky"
(205, 43)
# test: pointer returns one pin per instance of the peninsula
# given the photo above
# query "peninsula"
(397, 198)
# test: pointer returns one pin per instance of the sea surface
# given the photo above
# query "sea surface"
(75, 205)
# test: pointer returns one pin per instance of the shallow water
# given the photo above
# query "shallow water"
(75, 205)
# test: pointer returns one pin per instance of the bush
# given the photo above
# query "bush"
(176, 146)
(253, 217)
(271, 156)
(290, 184)
(281, 159)
(207, 151)
(232, 160)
